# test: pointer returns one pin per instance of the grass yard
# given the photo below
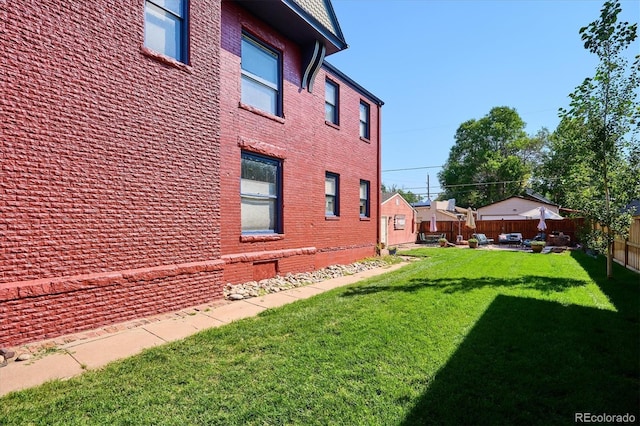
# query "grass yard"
(460, 337)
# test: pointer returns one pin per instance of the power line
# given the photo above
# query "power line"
(481, 183)
(489, 183)
(412, 168)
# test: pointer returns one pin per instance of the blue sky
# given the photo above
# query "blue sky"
(438, 63)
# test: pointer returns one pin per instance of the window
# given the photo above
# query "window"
(331, 189)
(399, 221)
(364, 198)
(331, 102)
(165, 27)
(260, 191)
(364, 120)
(260, 76)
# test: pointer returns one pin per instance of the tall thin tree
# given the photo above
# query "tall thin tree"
(605, 111)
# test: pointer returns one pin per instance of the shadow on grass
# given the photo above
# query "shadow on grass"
(454, 285)
(530, 361)
(622, 290)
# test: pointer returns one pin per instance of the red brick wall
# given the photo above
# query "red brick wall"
(68, 306)
(308, 148)
(120, 168)
(398, 236)
(110, 163)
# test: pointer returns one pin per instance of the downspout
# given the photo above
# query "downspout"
(379, 172)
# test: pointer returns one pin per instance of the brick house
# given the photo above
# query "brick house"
(154, 152)
(397, 220)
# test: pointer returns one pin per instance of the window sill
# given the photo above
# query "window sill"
(332, 218)
(261, 113)
(166, 60)
(365, 219)
(365, 139)
(330, 124)
(259, 238)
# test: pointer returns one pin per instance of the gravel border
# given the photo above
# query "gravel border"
(280, 283)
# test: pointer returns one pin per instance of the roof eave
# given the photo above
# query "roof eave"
(291, 20)
(353, 83)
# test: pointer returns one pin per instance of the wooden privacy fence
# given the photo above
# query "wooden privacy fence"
(627, 252)
(492, 228)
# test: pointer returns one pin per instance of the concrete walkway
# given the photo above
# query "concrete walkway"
(71, 355)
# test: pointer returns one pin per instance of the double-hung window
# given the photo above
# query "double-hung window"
(260, 192)
(364, 198)
(364, 120)
(331, 194)
(331, 102)
(165, 27)
(261, 77)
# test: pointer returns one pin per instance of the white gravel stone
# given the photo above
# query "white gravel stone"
(280, 283)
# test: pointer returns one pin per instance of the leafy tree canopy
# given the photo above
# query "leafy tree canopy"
(491, 159)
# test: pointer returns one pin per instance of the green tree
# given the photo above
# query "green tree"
(598, 135)
(491, 159)
(409, 196)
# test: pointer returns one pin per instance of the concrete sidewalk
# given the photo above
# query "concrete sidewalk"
(72, 355)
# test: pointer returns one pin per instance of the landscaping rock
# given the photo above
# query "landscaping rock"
(281, 283)
(7, 353)
(23, 357)
(235, 296)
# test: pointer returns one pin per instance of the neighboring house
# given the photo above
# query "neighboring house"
(397, 220)
(510, 208)
(445, 211)
(200, 143)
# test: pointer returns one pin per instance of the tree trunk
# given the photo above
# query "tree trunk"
(610, 260)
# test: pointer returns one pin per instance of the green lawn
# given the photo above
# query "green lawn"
(460, 337)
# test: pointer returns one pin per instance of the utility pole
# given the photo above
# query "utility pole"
(428, 192)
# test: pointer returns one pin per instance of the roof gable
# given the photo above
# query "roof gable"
(529, 193)
(322, 11)
(304, 21)
(539, 199)
(386, 196)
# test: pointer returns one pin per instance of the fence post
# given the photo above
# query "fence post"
(626, 252)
